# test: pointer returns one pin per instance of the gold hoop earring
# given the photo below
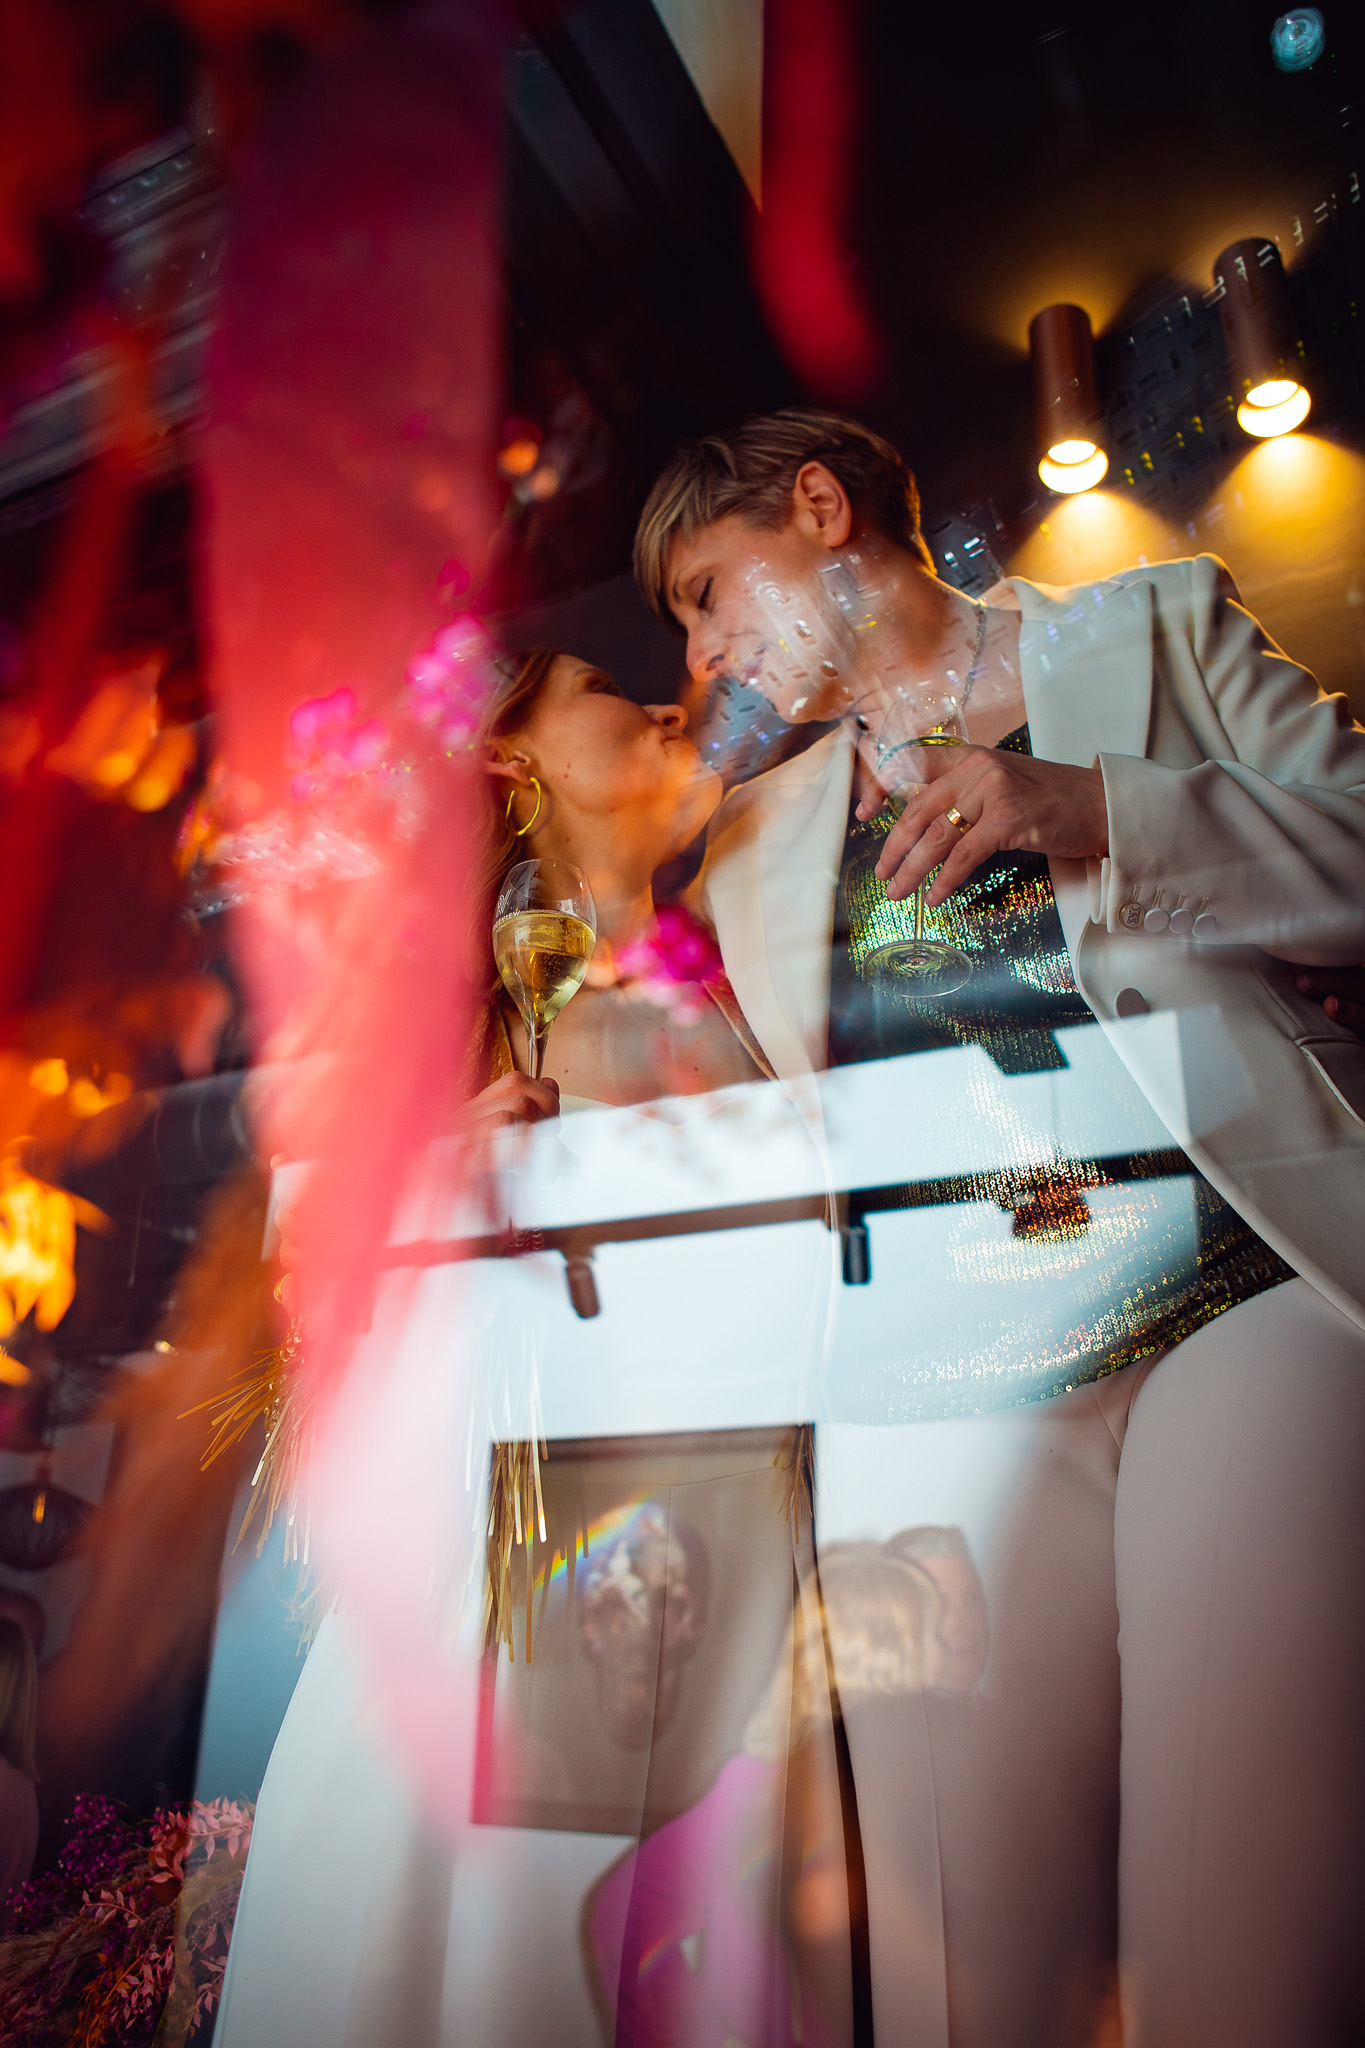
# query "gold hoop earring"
(520, 831)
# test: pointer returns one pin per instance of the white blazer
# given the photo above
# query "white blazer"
(1236, 800)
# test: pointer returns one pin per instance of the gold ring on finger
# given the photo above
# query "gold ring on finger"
(956, 820)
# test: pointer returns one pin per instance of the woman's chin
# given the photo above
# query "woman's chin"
(706, 790)
(698, 802)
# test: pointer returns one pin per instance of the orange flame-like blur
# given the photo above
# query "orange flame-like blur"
(119, 747)
(37, 1250)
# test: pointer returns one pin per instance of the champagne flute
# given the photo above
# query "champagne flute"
(544, 930)
(920, 967)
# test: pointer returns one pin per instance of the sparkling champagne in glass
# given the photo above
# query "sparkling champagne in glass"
(922, 968)
(544, 930)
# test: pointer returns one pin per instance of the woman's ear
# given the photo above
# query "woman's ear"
(510, 767)
(821, 505)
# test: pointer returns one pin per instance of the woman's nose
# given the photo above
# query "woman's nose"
(671, 715)
(705, 656)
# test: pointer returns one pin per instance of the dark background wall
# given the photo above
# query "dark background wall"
(1001, 158)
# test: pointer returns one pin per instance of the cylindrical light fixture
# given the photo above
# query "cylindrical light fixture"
(1263, 349)
(1062, 350)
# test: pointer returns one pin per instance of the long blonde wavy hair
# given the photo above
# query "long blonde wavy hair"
(497, 847)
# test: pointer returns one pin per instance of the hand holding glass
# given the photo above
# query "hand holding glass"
(921, 967)
(544, 930)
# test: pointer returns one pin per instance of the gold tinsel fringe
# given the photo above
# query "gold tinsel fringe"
(516, 1517)
(269, 1392)
(516, 1525)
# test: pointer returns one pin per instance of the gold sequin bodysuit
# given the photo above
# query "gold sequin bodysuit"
(1035, 1279)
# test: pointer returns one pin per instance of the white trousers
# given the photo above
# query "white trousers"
(1166, 1762)
(1154, 1804)
(1240, 1568)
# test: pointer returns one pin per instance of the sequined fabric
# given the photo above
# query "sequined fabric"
(1043, 1279)
(1004, 918)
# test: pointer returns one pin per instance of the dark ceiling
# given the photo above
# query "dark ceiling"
(1006, 157)
(1021, 155)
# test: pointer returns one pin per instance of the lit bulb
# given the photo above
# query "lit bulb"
(1066, 473)
(1278, 391)
(1068, 453)
(1273, 408)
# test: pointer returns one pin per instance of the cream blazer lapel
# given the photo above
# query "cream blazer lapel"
(1085, 663)
(1086, 667)
(768, 886)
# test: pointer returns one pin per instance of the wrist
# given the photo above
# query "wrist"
(1100, 814)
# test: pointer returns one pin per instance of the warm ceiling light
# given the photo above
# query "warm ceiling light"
(1254, 416)
(1073, 476)
(1263, 350)
(1062, 351)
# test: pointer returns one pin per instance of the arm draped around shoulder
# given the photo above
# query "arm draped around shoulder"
(1267, 834)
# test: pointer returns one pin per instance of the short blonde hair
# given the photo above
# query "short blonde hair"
(753, 472)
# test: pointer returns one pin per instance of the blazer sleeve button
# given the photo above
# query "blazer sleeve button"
(1131, 1002)
(1156, 920)
(1205, 925)
(1181, 921)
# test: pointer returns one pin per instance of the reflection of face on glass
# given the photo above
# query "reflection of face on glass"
(962, 1637)
(878, 1623)
(642, 1601)
(881, 1618)
(778, 612)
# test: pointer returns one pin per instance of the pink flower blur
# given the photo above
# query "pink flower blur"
(671, 964)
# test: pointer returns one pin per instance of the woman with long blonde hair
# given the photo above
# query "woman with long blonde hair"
(572, 770)
(576, 771)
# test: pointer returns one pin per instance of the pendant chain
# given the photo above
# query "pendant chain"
(982, 615)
